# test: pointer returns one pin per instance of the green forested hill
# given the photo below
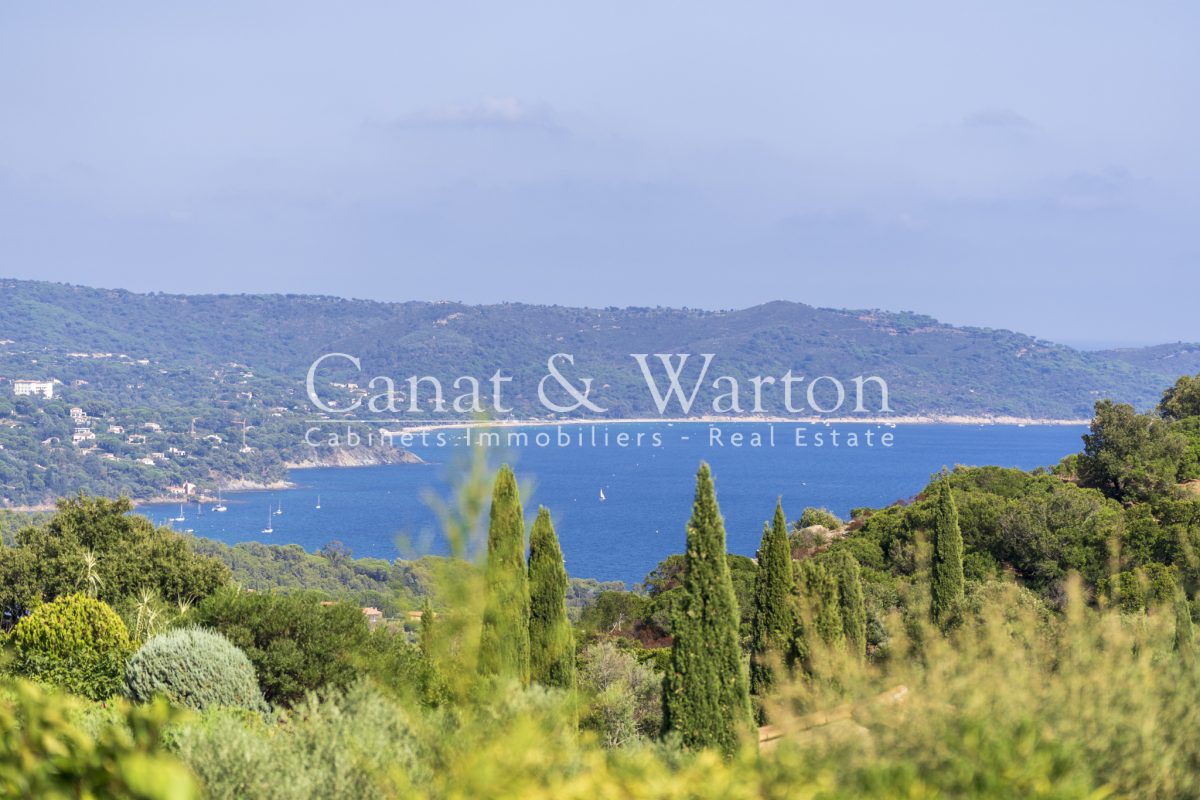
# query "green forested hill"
(131, 359)
(932, 368)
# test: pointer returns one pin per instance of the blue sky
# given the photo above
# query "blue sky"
(1025, 165)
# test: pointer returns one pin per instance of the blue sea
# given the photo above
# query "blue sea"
(384, 511)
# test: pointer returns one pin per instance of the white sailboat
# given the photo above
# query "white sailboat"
(268, 529)
(318, 502)
(181, 517)
(279, 510)
(602, 497)
(219, 506)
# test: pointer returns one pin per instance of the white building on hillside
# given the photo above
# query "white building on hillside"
(23, 388)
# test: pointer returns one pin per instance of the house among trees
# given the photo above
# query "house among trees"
(374, 615)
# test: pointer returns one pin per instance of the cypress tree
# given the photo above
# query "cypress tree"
(706, 697)
(551, 643)
(851, 604)
(946, 588)
(425, 639)
(772, 622)
(1185, 635)
(504, 641)
(820, 591)
(800, 649)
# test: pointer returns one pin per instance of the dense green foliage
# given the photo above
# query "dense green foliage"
(851, 604)
(403, 668)
(706, 699)
(296, 643)
(821, 607)
(551, 643)
(353, 744)
(54, 747)
(819, 516)
(504, 646)
(946, 584)
(392, 586)
(1181, 400)
(1013, 704)
(193, 667)
(623, 695)
(1130, 456)
(75, 642)
(773, 619)
(127, 554)
(1185, 631)
(13, 521)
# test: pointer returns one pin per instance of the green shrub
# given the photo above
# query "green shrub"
(75, 642)
(193, 667)
(623, 695)
(354, 744)
(47, 749)
(819, 516)
(295, 643)
(399, 667)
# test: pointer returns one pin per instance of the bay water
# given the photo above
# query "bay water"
(646, 472)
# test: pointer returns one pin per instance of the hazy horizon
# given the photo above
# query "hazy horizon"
(1022, 166)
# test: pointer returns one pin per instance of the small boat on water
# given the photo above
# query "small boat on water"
(219, 506)
(318, 502)
(602, 497)
(181, 517)
(279, 510)
(268, 529)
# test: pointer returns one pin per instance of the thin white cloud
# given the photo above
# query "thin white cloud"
(489, 112)
(998, 119)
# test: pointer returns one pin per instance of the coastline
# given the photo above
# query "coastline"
(934, 419)
(355, 457)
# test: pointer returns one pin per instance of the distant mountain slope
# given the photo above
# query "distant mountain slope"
(931, 368)
(1166, 360)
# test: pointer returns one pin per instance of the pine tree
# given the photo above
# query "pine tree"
(551, 643)
(706, 698)
(851, 604)
(504, 642)
(946, 587)
(773, 620)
